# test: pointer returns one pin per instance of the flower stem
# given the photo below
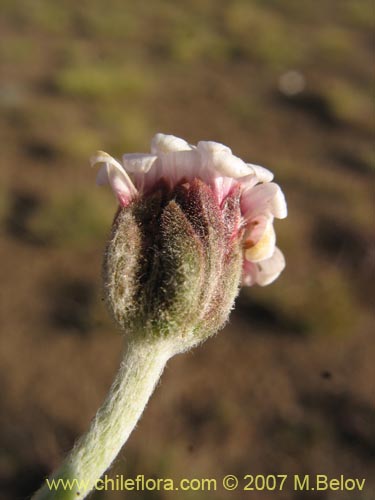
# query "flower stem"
(94, 452)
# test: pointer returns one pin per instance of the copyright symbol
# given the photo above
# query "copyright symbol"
(230, 482)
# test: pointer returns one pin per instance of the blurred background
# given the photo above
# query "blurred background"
(288, 386)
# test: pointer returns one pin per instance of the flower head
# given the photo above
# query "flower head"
(173, 162)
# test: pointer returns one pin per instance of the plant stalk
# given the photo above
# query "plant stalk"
(95, 451)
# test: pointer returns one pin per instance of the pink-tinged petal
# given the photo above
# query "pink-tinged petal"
(163, 143)
(263, 198)
(262, 174)
(248, 181)
(261, 239)
(180, 165)
(119, 180)
(255, 229)
(270, 269)
(222, 186)
(144, 169)
(249, 273)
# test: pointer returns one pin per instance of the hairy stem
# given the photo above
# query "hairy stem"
(94, 452)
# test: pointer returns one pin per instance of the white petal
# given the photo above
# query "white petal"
(102, 157)
(265, 246)
(115, 174)
(102, 176)
(263, 174)
(230, 165)
(226, 164)
(270, 269)
(279, 208)
(138, 162)
(258, 199)
(162, 143)
(211, 147)
(263, 198)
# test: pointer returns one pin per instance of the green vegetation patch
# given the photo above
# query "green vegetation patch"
(71, 219)
(102, 81)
